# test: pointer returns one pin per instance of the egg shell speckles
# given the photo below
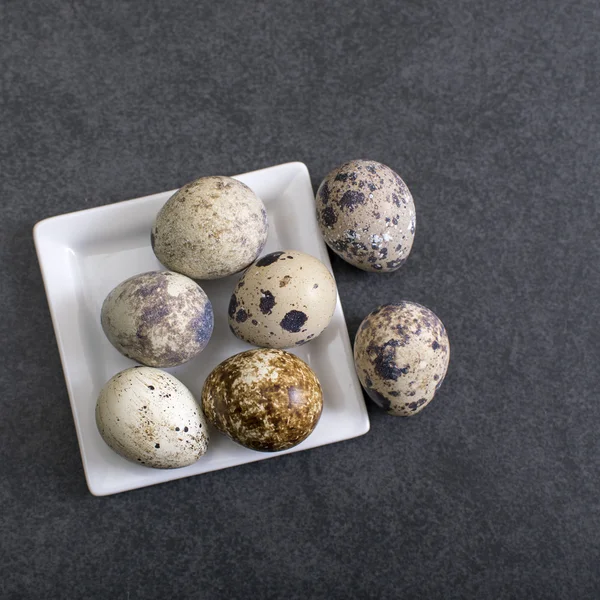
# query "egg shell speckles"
(160, 318)
(210, 228)
(367, 215)
(267, 400)
(285, 299)
(149, 417)
(401, 354)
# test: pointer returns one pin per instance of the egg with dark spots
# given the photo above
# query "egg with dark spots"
(401, 355)
(367, 215)
(210, 228)
(149, 417)
(160, 318)
(267, 400)
(285, 299)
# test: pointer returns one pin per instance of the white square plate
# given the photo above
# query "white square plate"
(83, 255)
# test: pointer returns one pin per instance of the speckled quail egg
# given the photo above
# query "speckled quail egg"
(149, 417)
(160, 318)
(285, 299)
(367, 215)
(401, 354)
(264, 399)
(210, 228)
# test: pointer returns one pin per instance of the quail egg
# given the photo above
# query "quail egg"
(149, 417)
(160, 318)
(401, 354)
(264, 399)
(285, 299)
(367, 215)
(210, 228)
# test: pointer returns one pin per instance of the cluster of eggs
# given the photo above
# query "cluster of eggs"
(265, 399)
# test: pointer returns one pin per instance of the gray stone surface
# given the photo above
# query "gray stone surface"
(489, 111)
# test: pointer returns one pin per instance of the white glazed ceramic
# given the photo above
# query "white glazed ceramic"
(84, 255)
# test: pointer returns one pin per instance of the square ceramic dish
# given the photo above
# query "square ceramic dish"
(83, 255)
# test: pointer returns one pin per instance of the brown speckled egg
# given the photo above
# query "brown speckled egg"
(210, 228)
(367, 215)
(160, 318)
(149, 417)
(401, 354)
(285, 299)
(264, 399)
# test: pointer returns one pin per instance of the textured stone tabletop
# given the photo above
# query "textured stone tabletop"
(489, 112)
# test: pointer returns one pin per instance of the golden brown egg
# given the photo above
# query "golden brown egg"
(263, 399)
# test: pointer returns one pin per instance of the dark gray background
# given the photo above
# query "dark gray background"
(490, 112)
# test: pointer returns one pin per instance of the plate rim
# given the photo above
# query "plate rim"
(40, 225)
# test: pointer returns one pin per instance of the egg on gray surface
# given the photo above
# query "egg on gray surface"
(210, 228)
(367, 215)
(401, 354)
(160, 318)
(265, 399)
(151, 418)
(285, 299)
